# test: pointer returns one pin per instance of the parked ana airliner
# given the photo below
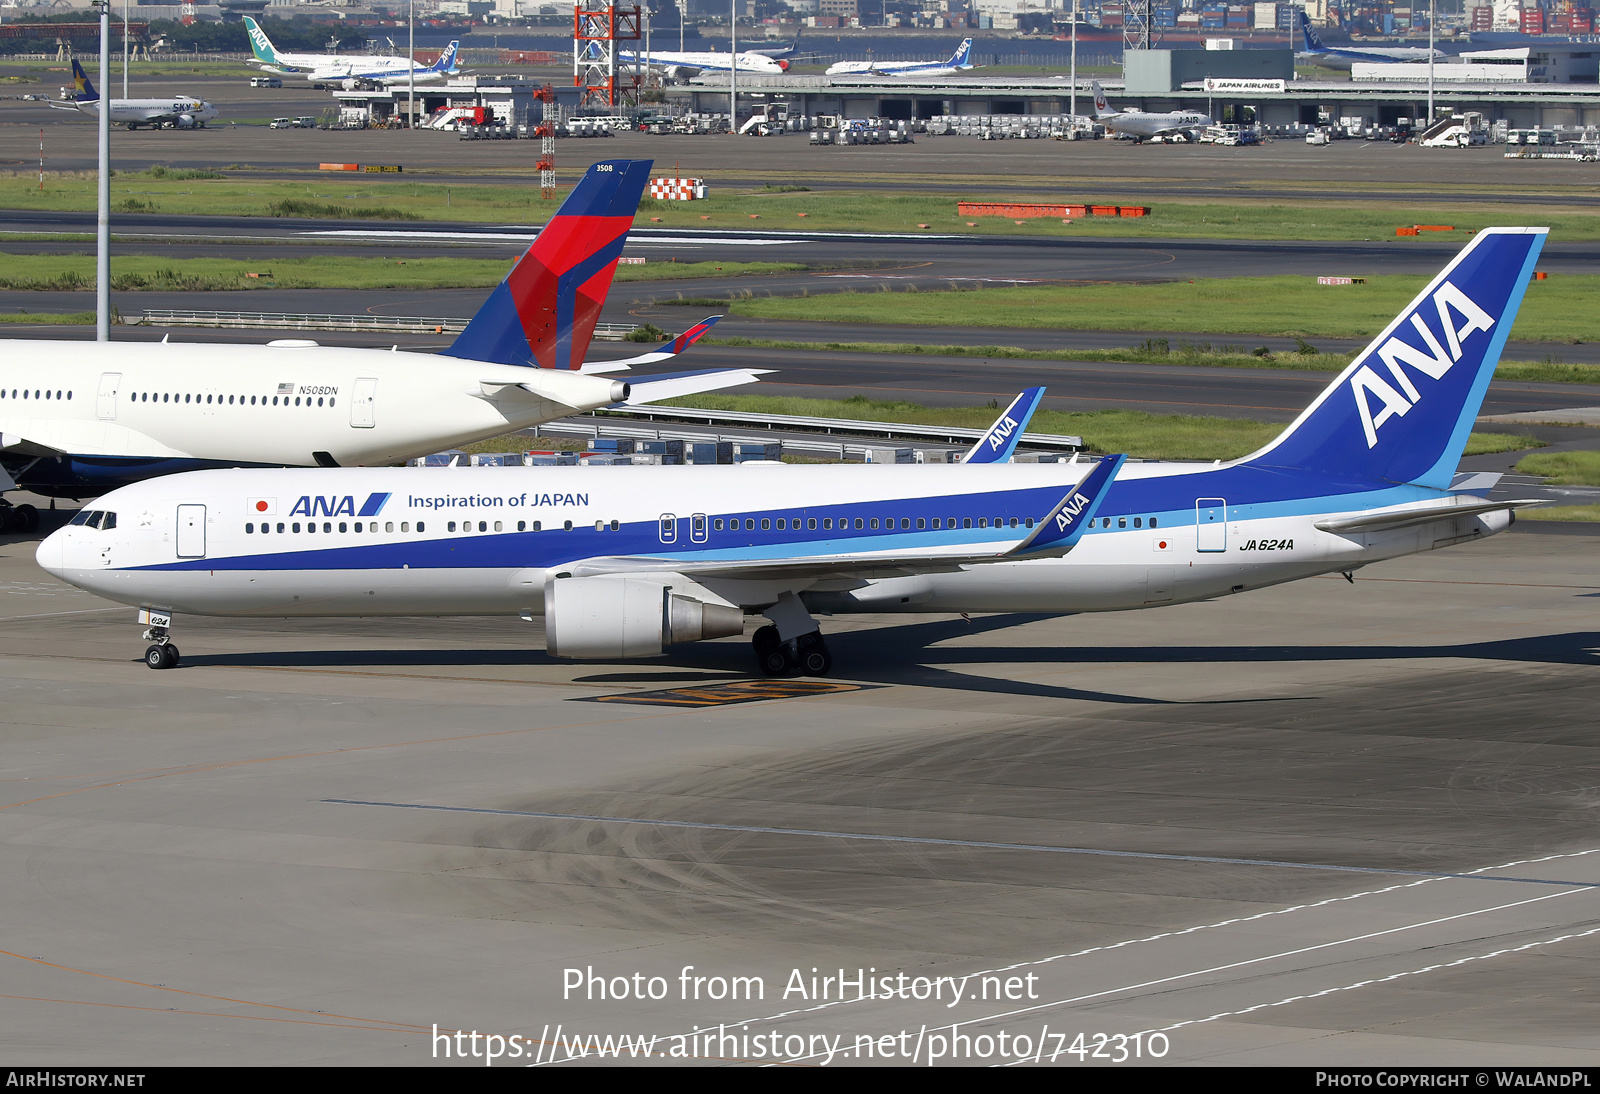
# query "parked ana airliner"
(1340, 59)
(683, 66)
(80, 418)
(1142, 125)
(176, 112)
(353, 67)
(622, 562)
(960, 61)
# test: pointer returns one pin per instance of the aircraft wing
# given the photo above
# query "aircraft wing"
(1056, 535)
(56, 104)
(23, 436)
(679, 344)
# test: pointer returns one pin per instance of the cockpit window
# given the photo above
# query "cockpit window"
(81, 518)
(108, 522)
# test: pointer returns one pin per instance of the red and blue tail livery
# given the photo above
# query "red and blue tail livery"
(544, 313)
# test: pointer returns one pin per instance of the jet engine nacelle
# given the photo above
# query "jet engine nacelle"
(184, 121)
(606, 617)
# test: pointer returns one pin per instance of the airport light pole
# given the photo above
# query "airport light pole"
(733, 67)
(411, 61)
(1073, 108)
(1430, 60)
(102, 262)
(125, 48)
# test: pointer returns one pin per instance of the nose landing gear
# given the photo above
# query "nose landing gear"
(162, 654)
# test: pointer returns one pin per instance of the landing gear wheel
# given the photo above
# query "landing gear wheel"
(172, 656)
(770, 655)
(26, 517)
(161, 657)
(811, 655)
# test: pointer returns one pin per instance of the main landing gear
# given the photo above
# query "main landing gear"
(793, 646)
(162, 654)
(806, 655)
(17, 518)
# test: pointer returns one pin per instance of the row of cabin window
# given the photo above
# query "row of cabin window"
(1122, 522)
(405, 526)
(150, 397)
(37, 394)
(865, 523)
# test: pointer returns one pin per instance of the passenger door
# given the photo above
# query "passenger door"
(106, 404)
(361, 407)
(1211, 524)
(191, 531)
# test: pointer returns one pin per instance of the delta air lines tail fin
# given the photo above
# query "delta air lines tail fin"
(544, 313)
(1402, 410)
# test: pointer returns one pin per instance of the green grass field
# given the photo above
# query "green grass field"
(1564, 468)
(1201, 355)
(826, 205)
(137, 272)
(1146, 436)
(1557, 309)
(1585, 513)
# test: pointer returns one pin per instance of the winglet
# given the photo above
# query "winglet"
(677, 346)
(1059, 532)
(997, 445)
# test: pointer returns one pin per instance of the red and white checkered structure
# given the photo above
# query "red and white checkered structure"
(667, 189)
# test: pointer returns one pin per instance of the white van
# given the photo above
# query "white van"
(265, 81)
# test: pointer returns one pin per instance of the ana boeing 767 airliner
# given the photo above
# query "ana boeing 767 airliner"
(624, 562)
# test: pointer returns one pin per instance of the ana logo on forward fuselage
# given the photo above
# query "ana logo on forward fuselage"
(1394, 400)
(321, 506)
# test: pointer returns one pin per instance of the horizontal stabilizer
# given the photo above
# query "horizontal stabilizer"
(1411, 516)
(690, 383)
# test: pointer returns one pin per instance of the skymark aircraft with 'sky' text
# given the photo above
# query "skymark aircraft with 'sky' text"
(622, 563)
(174, 112)
(80, 418)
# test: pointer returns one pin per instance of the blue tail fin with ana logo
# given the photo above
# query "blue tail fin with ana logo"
(1401, 411)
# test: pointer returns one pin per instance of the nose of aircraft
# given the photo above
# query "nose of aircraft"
(52, 552)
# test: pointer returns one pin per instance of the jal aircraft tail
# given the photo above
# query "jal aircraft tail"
(1102, 108)
(1401, 412)
(544, 313)
(83, 90)
(962, 58)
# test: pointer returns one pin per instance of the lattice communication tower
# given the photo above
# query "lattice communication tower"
(1138, 32)
(598, 66)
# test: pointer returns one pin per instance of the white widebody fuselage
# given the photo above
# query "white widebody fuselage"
(464, 541)
(266, 404)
